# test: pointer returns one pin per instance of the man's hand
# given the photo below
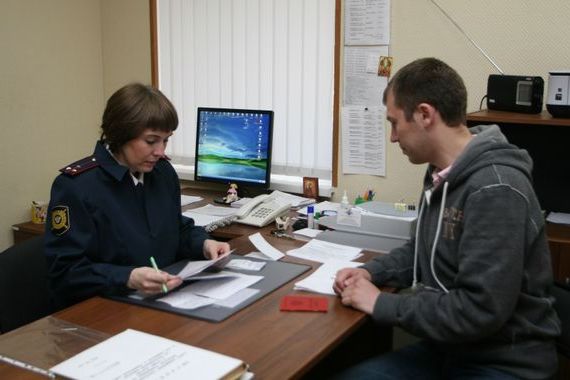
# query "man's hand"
(148, 281)
(347, 276)
(213, 249)
(361, 294)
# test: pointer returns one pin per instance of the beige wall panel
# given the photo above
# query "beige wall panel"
(126, 43)
(51, 97)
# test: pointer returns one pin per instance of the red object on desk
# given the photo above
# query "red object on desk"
(304, 303)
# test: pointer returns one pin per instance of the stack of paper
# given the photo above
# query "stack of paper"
(134, 354)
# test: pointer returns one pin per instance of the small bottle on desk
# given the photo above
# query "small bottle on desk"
(310, 216)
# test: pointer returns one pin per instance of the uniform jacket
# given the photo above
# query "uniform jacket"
(100, 227)
(483, 291)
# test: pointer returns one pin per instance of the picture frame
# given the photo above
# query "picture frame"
(311, 187)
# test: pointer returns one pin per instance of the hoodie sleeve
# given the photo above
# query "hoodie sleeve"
(394, 269)
(489, 269)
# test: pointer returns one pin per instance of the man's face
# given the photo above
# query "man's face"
(408, 134)
(142, 153)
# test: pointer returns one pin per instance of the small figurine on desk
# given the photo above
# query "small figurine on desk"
(282, 223)
(232, 194)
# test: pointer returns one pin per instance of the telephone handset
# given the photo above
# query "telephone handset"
(261, 210)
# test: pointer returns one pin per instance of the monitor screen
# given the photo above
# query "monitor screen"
(234, 145)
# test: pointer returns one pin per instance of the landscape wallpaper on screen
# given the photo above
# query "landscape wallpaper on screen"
(233, 146)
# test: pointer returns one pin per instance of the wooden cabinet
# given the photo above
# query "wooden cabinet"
(559, 242)
(27, 230)
(551, 134)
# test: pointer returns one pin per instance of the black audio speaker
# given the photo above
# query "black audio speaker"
(515, 93)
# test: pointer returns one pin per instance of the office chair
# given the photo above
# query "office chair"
(24, 287)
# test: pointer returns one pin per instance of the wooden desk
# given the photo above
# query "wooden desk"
(277, 345)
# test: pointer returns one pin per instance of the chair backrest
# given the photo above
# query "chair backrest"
(24, 285)
(562, 294)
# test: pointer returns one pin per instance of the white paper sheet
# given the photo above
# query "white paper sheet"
(323, 251)
(184, 299)
(197, 266)
(321, 280)
(189, 199)
(237, 298)
(135, 355)
(367, 22)
(246, 264)
(264, 247)
(363, 141)
(223, 288)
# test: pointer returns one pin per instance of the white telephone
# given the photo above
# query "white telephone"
(261, 210)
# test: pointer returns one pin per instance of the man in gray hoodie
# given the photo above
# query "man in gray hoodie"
(478, 268)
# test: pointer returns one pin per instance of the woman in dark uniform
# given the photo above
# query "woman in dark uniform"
(110, 212)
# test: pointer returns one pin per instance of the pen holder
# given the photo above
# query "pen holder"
(39, 212)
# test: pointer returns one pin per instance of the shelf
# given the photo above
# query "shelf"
(490, 116)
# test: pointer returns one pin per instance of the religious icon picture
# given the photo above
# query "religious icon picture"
(385, 66)
(311, 187)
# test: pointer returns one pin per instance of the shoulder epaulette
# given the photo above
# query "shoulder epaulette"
(80, 166)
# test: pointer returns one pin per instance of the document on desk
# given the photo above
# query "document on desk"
(264, 247)
(197, 266)
(323, 251)
(222, 288)
(135, 355)
(189, 199)
(321, 280)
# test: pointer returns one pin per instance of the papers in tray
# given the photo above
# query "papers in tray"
(133, 354)
(194, 267)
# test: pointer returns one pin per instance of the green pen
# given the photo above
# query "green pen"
(164, 288)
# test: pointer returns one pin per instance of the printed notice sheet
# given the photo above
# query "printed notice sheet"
(363, 140)
(362, 84)
(135, 355)
(367, 22)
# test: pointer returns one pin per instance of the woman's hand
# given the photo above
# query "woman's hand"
(213, 249)
(149, 281)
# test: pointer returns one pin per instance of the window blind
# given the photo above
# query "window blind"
(253, 54)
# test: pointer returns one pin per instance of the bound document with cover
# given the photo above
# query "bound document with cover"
(133, 354)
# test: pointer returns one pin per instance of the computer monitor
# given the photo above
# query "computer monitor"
(234, 146)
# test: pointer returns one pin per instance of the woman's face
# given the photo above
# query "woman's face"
(142, 153)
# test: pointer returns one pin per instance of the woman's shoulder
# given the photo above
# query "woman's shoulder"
(79, 167)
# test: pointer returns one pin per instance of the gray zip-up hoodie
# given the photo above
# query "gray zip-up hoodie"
(481, 260)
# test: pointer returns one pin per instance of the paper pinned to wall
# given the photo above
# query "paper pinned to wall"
(362, 84)
(363, 140)
(367, 22)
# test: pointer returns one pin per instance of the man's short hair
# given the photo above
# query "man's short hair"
(131, 110)
(429, 80)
